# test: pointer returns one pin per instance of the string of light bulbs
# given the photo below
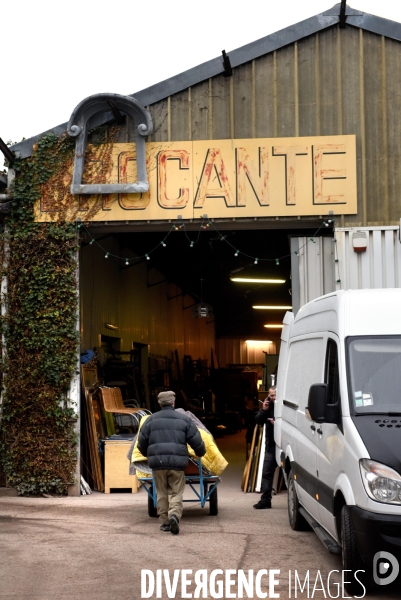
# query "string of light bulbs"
(205, 224)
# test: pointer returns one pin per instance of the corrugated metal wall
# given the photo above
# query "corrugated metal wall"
(339, 81)
(332, 264)
(378, 267)
(138, 303)
(313, 269)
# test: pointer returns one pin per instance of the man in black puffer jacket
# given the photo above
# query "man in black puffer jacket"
(163, 439)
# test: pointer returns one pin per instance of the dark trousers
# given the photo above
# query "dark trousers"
(269, 466)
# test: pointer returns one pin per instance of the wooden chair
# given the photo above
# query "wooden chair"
(113, 403)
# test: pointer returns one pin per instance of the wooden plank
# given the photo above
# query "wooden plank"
(258, 486)
(257, 456)
(254, 463)
(249, 463)
(93, 444)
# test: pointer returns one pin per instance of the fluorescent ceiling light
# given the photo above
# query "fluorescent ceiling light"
(258, 342)
(273, 307)
(273, 326)
(256, 280)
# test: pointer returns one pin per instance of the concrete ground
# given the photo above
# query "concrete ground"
(94, 547)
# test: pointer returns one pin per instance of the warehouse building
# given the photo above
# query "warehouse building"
(277, 162)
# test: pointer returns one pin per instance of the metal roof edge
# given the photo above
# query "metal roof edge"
(378, 25)
(239, 56)
(24, 149)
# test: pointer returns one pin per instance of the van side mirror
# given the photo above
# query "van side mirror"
(317, 402)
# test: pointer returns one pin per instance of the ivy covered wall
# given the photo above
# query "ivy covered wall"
(38, 444)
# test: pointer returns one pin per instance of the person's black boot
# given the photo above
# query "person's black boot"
(174, 528)
(261, 504)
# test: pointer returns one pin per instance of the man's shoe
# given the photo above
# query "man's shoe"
(165, 527)
(174, 525)
(261, 504)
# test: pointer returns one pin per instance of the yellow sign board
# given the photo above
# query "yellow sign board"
(263, 177)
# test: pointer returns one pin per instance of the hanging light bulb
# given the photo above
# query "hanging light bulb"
(191, 245)
(313, 240)
(236, 253)
(296, 253)
(91, 242)
(256, 261)
(107, 255)
(147, 256)
(126, 261)
(163, 243)
(277, 261)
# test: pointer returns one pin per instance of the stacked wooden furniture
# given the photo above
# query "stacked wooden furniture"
(116, 464)
(116, 467)
(94, 426)
(113, 403)
(254, 464)
(252, 477)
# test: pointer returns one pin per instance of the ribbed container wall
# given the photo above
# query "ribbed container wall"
(378, 267)
(313, 269)
(338, 81)
(236, 351)
(144, 307)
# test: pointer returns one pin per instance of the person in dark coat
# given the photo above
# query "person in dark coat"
(266, 417)
(163, 439)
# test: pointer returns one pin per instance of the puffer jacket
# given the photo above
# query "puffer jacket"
(164, 437)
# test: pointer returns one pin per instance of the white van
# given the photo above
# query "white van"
(338, 426)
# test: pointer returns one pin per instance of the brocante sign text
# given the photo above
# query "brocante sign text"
(222, 178)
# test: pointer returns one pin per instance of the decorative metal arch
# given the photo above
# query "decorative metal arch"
(78, 127)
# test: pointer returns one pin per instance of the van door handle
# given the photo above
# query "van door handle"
(320, 431)
(313, 428)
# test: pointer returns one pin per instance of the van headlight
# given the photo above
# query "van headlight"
(382, 483)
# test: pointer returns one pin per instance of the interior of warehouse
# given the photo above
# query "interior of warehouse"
(175, 308)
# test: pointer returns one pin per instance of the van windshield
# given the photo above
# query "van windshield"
(374, 374)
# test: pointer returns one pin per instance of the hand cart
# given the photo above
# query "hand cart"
(195, 474)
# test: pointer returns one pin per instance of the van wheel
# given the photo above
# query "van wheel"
(351, 558)
(295, 518)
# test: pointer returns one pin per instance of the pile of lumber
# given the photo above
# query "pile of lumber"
(252, 477)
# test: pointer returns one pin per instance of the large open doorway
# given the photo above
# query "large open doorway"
(174, 308)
